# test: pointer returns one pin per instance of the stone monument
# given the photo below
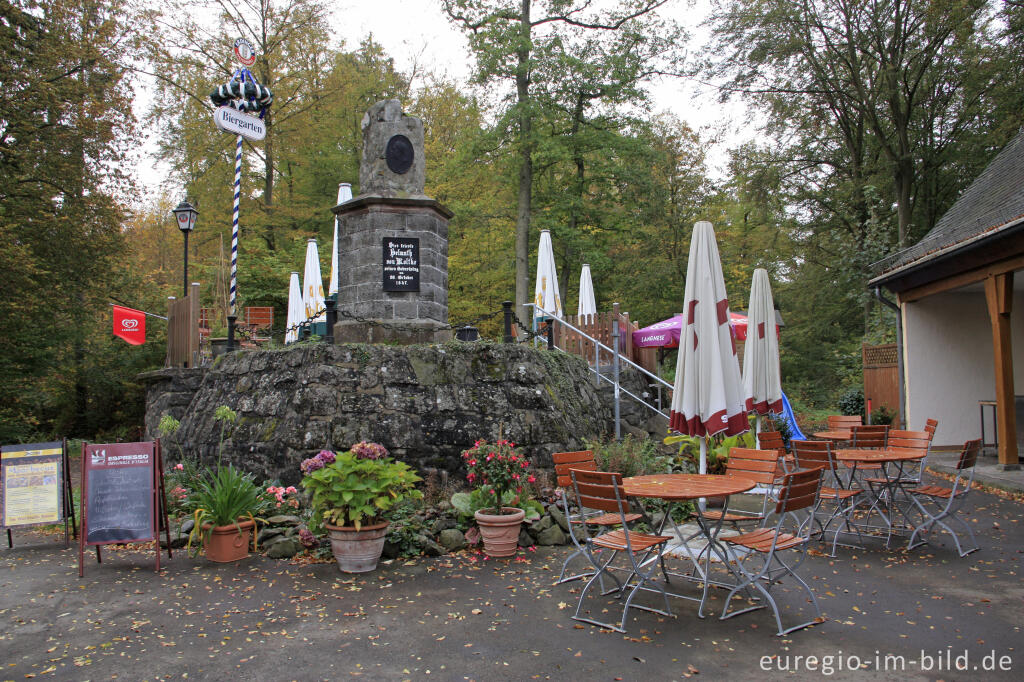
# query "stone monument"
(392, 240)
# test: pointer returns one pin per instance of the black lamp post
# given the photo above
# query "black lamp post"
(186, 215)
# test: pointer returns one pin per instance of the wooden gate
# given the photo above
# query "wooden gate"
(881, 378)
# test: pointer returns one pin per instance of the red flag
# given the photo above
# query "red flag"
(130, 325)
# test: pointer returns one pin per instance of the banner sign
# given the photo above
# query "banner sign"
(122, 496)
(401, 263)
(31, 484)
(230, 120)
(35, 486)
(130, 325)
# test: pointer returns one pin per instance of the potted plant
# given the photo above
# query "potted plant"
(350, 491)
(225, 505)
(501, 472)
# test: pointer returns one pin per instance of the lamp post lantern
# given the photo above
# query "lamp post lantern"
(186, 215)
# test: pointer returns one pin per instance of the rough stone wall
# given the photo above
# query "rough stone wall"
(424, 403)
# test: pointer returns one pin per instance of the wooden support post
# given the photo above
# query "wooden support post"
(999, 296)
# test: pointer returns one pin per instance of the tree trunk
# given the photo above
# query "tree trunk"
(525, 162)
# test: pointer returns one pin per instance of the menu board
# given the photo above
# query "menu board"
(118, 493)
(401, 261)
(31, 484)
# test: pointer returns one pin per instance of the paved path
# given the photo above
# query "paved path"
(466, 617)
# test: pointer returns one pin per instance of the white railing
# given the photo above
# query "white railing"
(655, 382)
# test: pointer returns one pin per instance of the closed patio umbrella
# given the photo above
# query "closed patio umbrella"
(587, 304)
(762, 386)
(708, 394)
(295, 309)
(344, 194)
(545, 293)
(313, 285)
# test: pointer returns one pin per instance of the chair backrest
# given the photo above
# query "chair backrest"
(760, 466)
(969, 455)
(579, 459)
(771, 440)
(598, 490)
(931, 425)
(811, 454)
(909, 440)
(259, 317)
(799, 490)
(871, 436)
(841, 422)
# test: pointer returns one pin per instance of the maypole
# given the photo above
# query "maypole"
(233, 100)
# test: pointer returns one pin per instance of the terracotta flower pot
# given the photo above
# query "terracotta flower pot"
(357, 551)
(227, 543)
(500, 532)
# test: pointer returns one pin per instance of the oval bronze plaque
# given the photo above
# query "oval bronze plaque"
(399, 154)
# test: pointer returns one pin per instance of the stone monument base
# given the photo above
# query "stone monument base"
(402, 332)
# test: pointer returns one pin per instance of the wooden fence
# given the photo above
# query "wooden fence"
(183, 330)
(881, 377)
(599, 326)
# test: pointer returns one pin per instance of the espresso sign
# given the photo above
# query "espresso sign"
(401, 264)
(122, 496)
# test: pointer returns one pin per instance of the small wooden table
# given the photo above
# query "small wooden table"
(687, 487)
(884, 496)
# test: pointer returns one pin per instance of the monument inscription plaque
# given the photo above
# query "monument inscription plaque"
(401, 264)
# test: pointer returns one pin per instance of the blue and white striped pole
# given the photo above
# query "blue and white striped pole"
(234, 223)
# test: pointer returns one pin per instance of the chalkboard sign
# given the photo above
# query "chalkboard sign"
(401, 263)
(122, 496)
(35, 488)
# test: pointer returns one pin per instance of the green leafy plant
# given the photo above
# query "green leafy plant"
(224, 415)
(781, 425)
(499, 468)
(468, 503)
(629, 456)
(882, 415)
(222, 498)
(852, 402)
(349, 490)
(718, 448)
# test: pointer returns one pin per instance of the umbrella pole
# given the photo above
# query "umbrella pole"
(702, 465)
(757, 426)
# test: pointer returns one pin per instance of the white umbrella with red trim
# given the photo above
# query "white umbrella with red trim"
(708, 394)
(762, 385)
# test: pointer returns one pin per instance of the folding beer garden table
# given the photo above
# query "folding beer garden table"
(676, 488)
(884, 492)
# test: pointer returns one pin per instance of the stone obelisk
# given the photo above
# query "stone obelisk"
(392, 240)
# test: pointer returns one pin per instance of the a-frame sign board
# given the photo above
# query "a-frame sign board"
(122, 497)
(35, 487)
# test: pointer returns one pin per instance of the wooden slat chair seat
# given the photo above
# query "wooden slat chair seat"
(946, 503)
(760, 466)
(798, 498)
(843, 498)
(603, 491)
(582, 460)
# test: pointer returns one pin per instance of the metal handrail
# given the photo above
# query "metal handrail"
(656, 381)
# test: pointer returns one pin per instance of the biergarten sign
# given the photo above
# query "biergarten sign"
(230, 120)
(401, 263)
